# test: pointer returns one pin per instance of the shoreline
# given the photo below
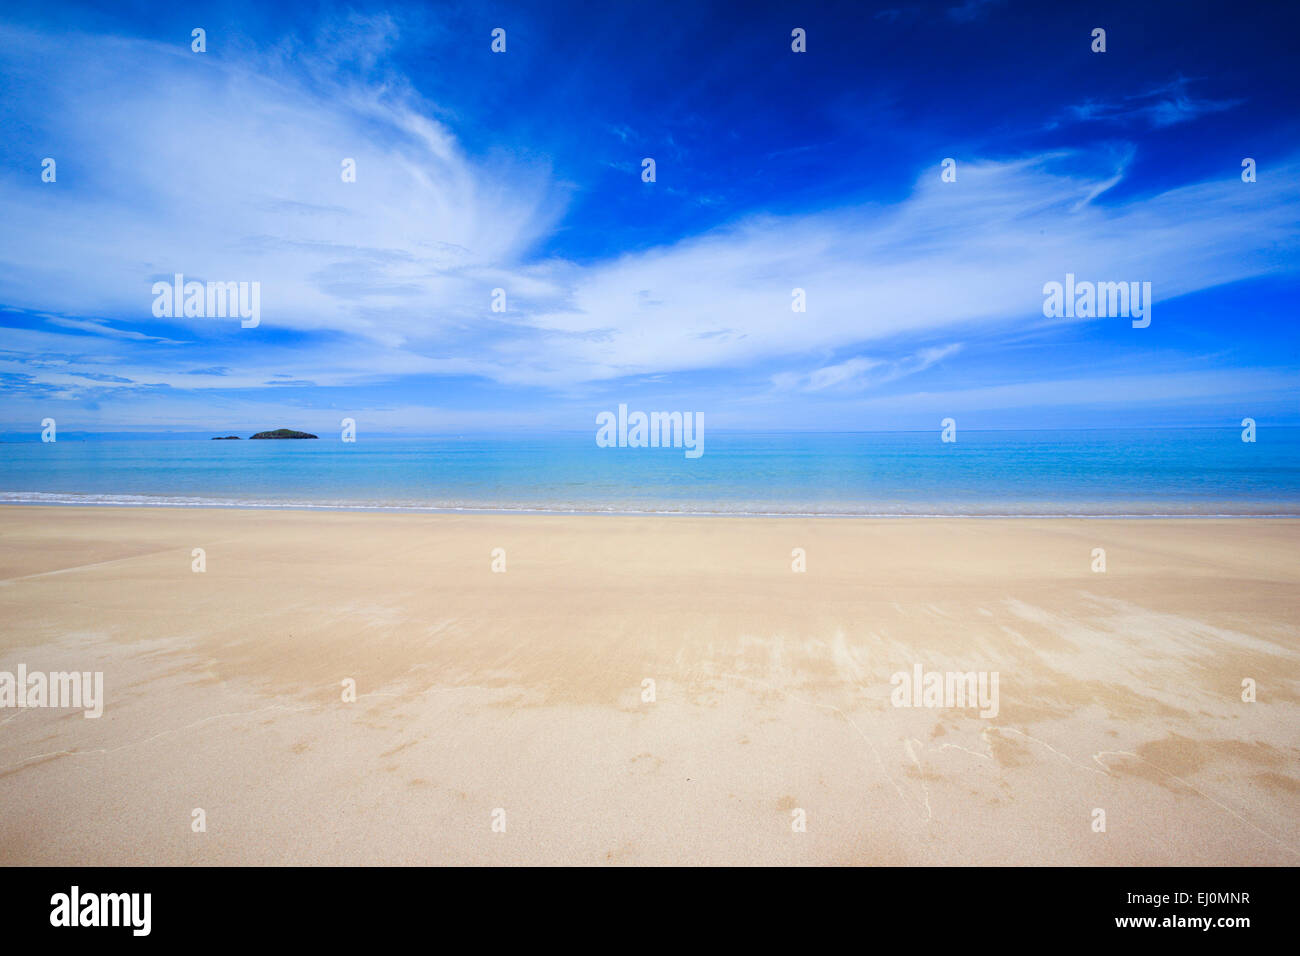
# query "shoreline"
(206, 504)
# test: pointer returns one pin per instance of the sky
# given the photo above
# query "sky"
(522, 171)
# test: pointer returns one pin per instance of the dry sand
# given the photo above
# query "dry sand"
(1119, 691)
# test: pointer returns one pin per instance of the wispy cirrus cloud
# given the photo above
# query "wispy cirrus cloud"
(946, 258)
(102, 328)
(390, 256)
(228, 168)
(861, 372)
(1159, 107)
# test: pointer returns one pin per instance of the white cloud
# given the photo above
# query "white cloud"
(862, 372)
(229, 169)
(974, 253)
(1163, 106)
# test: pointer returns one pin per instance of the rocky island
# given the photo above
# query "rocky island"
(283, 433)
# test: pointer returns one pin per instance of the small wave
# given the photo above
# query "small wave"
(1025, 510)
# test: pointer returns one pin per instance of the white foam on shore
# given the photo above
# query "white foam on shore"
(178, 501)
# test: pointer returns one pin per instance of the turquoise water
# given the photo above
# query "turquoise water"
(1138, 472)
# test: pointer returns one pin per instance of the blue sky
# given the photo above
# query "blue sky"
(522, 171)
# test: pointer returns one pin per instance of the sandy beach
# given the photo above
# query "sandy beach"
(525, 690)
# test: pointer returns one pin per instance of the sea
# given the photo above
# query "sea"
(1108, 473)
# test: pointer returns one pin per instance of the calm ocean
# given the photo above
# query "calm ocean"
(1120, 472)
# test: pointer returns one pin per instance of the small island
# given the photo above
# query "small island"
(225, 438)
(283, 433)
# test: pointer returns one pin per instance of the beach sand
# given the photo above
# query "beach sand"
(1118, 691)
